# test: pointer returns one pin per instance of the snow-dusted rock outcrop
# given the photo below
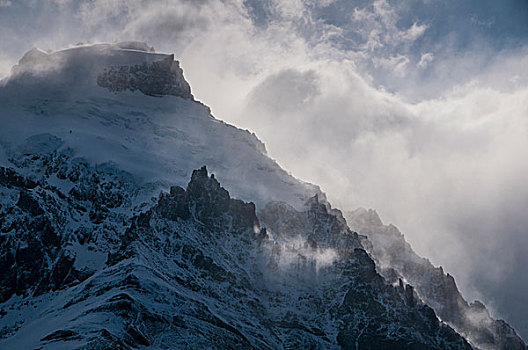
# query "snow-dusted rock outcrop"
(396, 260)
(164, 77)
(193, 269)
(127, 66)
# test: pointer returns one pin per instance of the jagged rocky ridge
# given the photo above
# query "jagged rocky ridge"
(93, 257)
(194, 270)
(396, 260)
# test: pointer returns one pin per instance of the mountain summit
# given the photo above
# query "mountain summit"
(95, 103)
(115, 234)
(127, 66)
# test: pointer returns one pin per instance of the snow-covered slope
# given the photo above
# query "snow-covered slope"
(193, 270)
(105, 244)
(396, 260)
(156, 139)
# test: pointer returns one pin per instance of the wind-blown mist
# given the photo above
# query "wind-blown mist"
(416, 108)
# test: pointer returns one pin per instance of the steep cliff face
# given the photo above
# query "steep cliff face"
(164, 77)
(396, 259)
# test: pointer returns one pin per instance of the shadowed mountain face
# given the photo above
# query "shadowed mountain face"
(396, 260)
(193, 270)
(105, 244)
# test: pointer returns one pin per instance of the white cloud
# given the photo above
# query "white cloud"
(414, 32)
(5, 67)
(289, 9)
(396, 64)
(425, 59)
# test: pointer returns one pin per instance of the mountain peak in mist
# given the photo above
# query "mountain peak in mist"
(105, 243)
(124, 66)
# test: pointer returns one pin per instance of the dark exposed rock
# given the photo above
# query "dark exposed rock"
(164, 77)
(34, 257)
(206, 201)
(373, 314)
(173, 205)
(43, 228)
(28, 204)
(135, 337)
(61, 335)
(397, 260)
(200, 242)
(9, 178)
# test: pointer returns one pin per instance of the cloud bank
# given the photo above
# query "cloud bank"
(416, 108)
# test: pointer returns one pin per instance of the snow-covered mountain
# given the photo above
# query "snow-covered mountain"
(113, 234)
(92, 101)
(396, 261)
